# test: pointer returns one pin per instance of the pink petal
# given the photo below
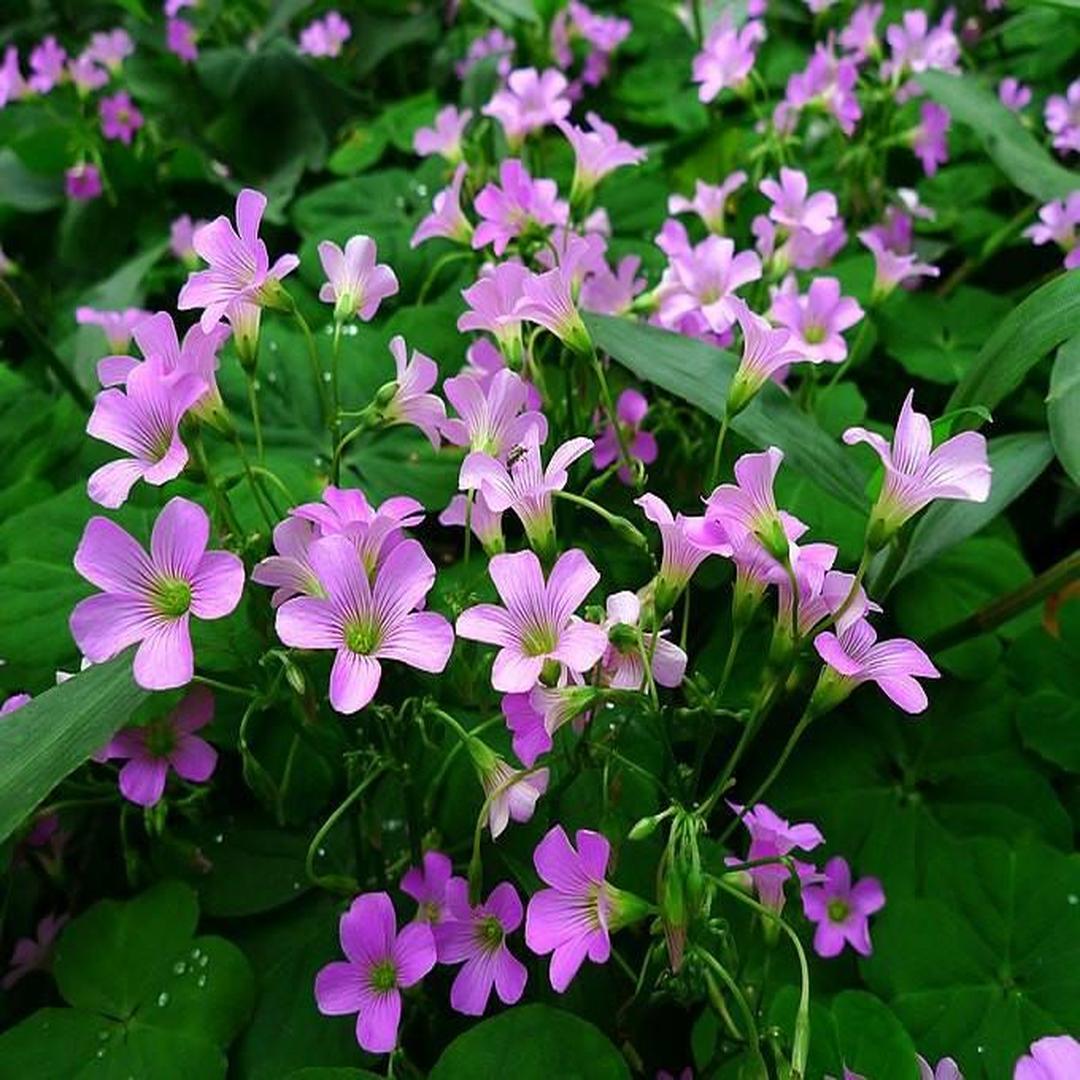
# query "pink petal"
(353, 680)
(572, 578)
(414, 953)
(515, 673)
(217, 585)
(368, 929)
(142, 780)
(423, 640)
(110, 485)
(165, 659)
(111, 559)
(339, 989)
(377, 1025)
(179, 539)
(488, 623)
(307, 622)
(472, 987)
(193, 758)
(104, 625)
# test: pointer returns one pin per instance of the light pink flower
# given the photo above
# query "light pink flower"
(485, 523)
(446, 218)
(493, 303)
(1058, 222)
(515, 206)
(511, 794)
(495, 42)
(86, 75)
(411, 403)
(533, 718)
(794, 208)
(917, 47)
(493, 419)
(1013, 94)
(182, 238)
(1055, 1057)
(34, 954)
(727, 57)
(766, 352)
(597, 152)
(946, 1069)
(892, 268)
(608, 293)
(357, 285)
(710, 202)
(181, 40)
(288, 570)
(630, 411)
(703, 281)
(816, 319)
(110, 47)
(117, 326)
(12, 84)
(622, 666)
(1062, 116)
(444, 137)
(46, 65)
(681, 555)
(930, 140)
(529, 101)
(483, 362)
(325, 36)
(859, 37)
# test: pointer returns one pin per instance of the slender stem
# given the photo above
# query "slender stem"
(468, 523)
(718, 450)
(608, 405)
(337, 884)
(646, 663)
(860, 573)
(853, 354)
(316, 367)
(737, 632)
(256, 420)
(253, 483)
(224, 687)
(685, 628)
(336, 402)
(221, 498)
(624, 528)
(433, 274)
(740, 1000)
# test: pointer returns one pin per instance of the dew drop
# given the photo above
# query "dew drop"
(203, 961)
(321, 852)
(296, 886)
(421, 191)
(162, 999)
(179, 967)
(1073, 899)
(101, 1052)
(201, 981)
(219, 839)
(103, 1035)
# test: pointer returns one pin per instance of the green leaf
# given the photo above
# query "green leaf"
(531, 1042)
(1063, 407)
(1017, 461)
(321, 1072)
(872, 1041)
(700, 374)
(1041, 322)
(56, 732)
(25, 191)
(1013, 148)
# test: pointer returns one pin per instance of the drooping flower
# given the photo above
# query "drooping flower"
(426, 884)
(524, 486)
(379, 964)
(516, 205)
(596, 153)
(1058, 222)
(946, 1069)
(446, 218)
(574, 917)
(842, 910)
(167, 743)
(366, 623)
(916, 472)
(511, 794)
(703, 280)
(537, 626)
(681, 556)
(1014, 95)
(892, 268)
(476, 938)
(411, 402)
(766, 351)
(143, 419)
(533, 718)
(930, 139)
(547, 299)
(622, 666)
(492, 420)
(149, 599)
(772, 837)
(34, 953)
(630, 411)
(854, 656)
(710, 202)
(727, 57)
(120, 119)
(239, 274)
(485, 523)
(1055, 1057)
(1062, 115)
(529, 101)
(117, 326)
(794, 208)
(356, 284)
(493, 302)
(325, 36)
(46, 65)
(444, 136)
(817, 318)
(181, 40)
(288, 571)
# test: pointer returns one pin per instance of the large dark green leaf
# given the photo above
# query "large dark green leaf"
(1013, 148)
(1038, 324)
(1063, 407)
(56, 732)
(700, 374)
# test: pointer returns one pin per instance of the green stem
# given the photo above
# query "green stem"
(253, 483)
(433, 274)
(737, 632)
(646, 663)
(608, 405)
(718, 450)
(624, 528)
(468, 523)
(224, 687)
(316, 367)
(220, 497)
(854, 354)
(744, 1007)
(256, 420)
(335, 432)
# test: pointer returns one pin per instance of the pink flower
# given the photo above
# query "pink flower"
(523, 485)
(529, 101)
(792, 207)
(1057, 224)
(573, 917)
(1062, 115)
(916, 473)
(13, 703)
(630, 412)
(182, 238)
(1013, 94)
(289, 570)
(240, 273)
(766, 352)
(446, 218)
(357, 285)
(703, 281)
(817, 320)
(597, 153)
(149, 599)
(444, 137)
(180, 40)
(918, 47)
(427, 884)
(608, 293)
(841, 910)
(856, 656)
(622, 666)
(46, 65)
(828, 82)
(411, 403)
(82, 183)
(493, 419)
(366, 623)
(34, 954)
(168, 743)
(533, 718)
(86, 75)
(119, 117)
(379, 963)
(727, 57)
(325, 37)
(116, 325)
(892, 269)
(12, 84)
(1055, 1057)
(536, 628)
(143, 419)
(484, 362)
(859, 37)
(493, 303)
(930, 141)
(710, 202)
(822, 591)
(485, 523)
(494, 43)
(946, 1069)
(515, 206)
(476, 938)
(110, 47)
(681, 555)
(511, 795)
(548, 300)
(771, 837)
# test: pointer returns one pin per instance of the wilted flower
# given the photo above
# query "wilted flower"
(427, 884)
(817, 319)
(515, 206)
(356, 284)
(446, 218)
(842, 910)
(325, 36)
(530, 100)
(710, 202)
(444, 137)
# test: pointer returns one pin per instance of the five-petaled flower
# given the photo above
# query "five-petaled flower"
(842, 910)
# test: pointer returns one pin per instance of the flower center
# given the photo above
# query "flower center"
(430, 912)
(172, 597)
(813, 334)
(489, 933)
(384, 976)
(362, 636)
(538, 640)
(160, 738)
(838, 910)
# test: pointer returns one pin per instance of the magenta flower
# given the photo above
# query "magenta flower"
(143, 419)
(827, 82)
(856, 656)
(710, 202)
(120, 119)
(12, 84)
(446, 218)
(817, 319)
(444, 137)
(326, 36)
(547, 299)
(493, 419)
(703, 281)
(727, 57)
(181, 41)
(486, 525)
(117, 326)
(1055, 1057)
(357, 285)
(167, 743)
(1062, 115)
(859, 37)
(379, 963)
(533, 718)
(841, 910)
(766, 352)
(630, 411)
(946, 1069)
(493, 302)
(746, 508)
(892, 268)
(524, 486)
(597, 153)
(13, 703)
(929, 140)
(917, 47)
(110, 47)
(771, 837)
(621, 665)
(574, 916)
(536, 627)
(476, 938)
(794, 208)
(411, 403)
(46, 65)
(34, 954)
(366, 623)
(515, 206)
(681, 555)
(427, 884)
(529, 101)
(288, 571)
(1058, 222)
(240, 274)
(1013, 94)
(916, 473)
(86, 75)
(150, 599)
(182, 239)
